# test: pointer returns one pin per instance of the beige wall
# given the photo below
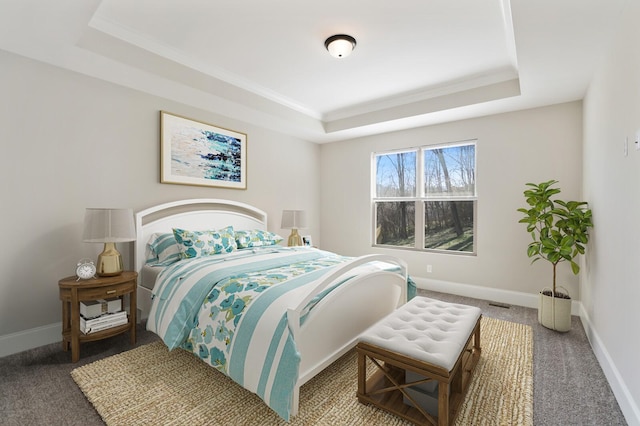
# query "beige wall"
(512, 149)
(611, 283)
(71, 142)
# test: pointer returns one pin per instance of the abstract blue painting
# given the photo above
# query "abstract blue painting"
(197, 153)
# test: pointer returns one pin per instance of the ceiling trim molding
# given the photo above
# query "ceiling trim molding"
(491, 92)
(138, 42)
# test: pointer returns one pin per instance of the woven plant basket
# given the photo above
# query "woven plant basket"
(554, 312)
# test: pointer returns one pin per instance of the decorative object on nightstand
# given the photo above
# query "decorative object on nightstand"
(85, 269)
(109, 226)
(294, 220)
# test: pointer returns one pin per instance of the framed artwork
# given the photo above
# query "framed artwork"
(306, 240)
(197, 153)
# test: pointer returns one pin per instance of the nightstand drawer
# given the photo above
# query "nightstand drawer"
(114, 290)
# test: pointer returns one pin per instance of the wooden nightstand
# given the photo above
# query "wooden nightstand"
(72, 292)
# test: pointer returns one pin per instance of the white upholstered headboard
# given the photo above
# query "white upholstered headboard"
(195, 214)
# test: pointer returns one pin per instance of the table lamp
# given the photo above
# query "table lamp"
(109, 226)
(294, 220)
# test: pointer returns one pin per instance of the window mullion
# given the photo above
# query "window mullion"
(420, 174)
(419, 224)
(419, 206)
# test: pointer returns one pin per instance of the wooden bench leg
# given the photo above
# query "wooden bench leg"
(443, 404)
(362, 374)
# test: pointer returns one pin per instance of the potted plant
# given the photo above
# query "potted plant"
(560, 231)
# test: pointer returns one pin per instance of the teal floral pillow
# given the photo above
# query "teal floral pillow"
(205, 243)
(256, 238)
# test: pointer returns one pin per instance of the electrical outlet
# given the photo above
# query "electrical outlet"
(429, 269)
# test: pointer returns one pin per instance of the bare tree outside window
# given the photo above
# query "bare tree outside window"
(390, 230)
(446, 200)
(449, 225)
(396, 175)
(449, 178)
(396, 178)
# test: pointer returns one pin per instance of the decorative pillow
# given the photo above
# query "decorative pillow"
(162, 250)
(205, 243)
(256, 238)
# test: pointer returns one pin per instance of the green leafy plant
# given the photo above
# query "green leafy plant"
(560, 229)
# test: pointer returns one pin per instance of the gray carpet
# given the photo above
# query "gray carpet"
(569, 386)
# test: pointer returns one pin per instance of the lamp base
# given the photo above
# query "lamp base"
(109, 261)
(294, 239)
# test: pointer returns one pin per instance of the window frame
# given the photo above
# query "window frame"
(420, 198)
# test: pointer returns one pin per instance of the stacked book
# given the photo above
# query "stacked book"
(102, 322)
(98, 315)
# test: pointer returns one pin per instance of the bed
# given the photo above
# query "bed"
(270, 317)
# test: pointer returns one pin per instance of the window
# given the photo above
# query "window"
(425, 198)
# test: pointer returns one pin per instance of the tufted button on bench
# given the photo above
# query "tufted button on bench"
(424, 354)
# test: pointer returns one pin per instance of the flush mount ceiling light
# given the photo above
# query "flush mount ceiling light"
(340, 45)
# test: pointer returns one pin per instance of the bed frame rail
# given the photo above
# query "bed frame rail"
(331, 277)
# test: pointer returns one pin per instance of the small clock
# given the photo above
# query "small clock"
(85, 269)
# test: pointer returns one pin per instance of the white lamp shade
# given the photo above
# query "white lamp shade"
(108, 226)
(294, 219)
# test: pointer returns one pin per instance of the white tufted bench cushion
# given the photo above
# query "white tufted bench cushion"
(426, 330)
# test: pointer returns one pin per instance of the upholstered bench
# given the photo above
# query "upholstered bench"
(423, 355)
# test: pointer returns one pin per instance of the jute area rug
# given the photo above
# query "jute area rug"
(151, 386)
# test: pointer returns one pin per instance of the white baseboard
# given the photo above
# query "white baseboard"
(629, 407)
(509, 297)
(29, 339)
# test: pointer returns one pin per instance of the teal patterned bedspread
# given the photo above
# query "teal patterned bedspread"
(223, 307)
(230, 311)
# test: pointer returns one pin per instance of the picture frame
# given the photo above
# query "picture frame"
(306, 240)
(197, 153)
